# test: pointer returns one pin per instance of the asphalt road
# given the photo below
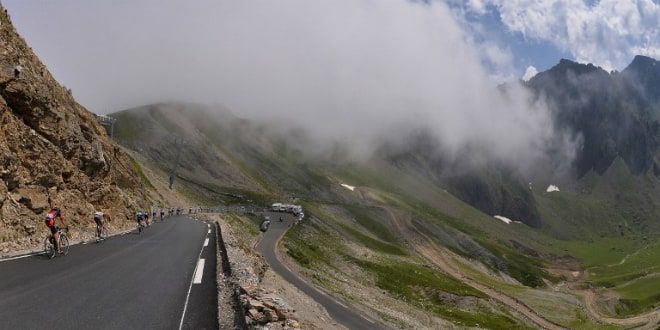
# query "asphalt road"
(338, 311)
(126, 282)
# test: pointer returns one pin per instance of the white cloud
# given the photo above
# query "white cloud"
(353, 71)
(477, 6)
(608, 33)
(529, 73)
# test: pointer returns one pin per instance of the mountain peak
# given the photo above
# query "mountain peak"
(645, 72)
(561, 69)
(566, 65)
(642, 64)
(641, 59)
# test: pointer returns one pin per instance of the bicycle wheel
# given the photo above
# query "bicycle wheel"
(49, 248)
(64, 244)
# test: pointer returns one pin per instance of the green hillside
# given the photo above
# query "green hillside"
(371, 232)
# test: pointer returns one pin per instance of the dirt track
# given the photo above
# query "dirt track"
(444, 260)
(643, 321)
(429, 250)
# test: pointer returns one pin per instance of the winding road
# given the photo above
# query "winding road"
(339, 312)
(156, 280)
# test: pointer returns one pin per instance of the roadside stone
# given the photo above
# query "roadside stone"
(256, 304)
(253, 313)
(292, 323)
(249, 289)
(268, 304)
(271, 315)
(261, 318)
(281, 314)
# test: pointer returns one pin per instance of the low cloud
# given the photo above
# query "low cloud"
(529, 73)
(356, 72)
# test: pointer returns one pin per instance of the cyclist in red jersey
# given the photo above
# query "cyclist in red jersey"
(51, 216)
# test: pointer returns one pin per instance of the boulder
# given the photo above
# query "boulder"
(253, 303)
(249, 289)
(271, 315)
(292, 323)
(258, 317)
(252, 313)
(268, 304)
(281, 314)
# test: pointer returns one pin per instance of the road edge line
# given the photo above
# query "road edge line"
(38, 252)
(192, 279)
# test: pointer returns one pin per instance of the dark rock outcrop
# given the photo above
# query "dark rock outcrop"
(614, 113)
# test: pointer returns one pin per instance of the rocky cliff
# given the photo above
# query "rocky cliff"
(53, 153)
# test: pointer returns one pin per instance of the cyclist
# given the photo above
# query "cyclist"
(98, 218)
(51, 216)
(139, 217)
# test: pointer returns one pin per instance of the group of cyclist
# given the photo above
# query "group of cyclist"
(55, 213)
(100, 218)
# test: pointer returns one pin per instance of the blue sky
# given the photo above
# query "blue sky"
(608, 33)
(527, 52)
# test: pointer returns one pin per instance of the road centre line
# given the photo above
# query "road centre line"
(199, 272)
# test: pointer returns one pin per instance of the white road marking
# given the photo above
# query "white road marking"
(209, 231)
(206, 242)
(208, 226)
(199, 271)
(185, 305)
(21, 257)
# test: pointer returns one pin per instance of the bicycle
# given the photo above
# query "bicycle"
(49, 244)
(141, 227)
(101, 233)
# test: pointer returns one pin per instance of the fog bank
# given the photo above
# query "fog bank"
(355, 71)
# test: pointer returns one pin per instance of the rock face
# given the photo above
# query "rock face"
(53, 153)
(616, 114)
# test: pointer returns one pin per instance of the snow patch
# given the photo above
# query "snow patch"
(552, 188)
(504, 219)
(349, 187)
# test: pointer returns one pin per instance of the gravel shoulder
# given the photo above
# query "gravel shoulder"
(255, 279)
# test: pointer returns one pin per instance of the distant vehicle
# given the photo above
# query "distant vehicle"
(264, 226)
(289, 208)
